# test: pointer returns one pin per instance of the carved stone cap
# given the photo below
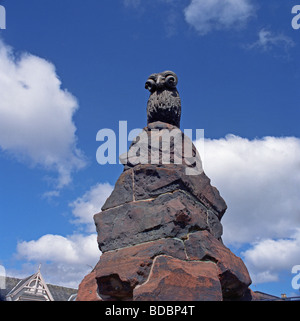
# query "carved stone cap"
(164, 103)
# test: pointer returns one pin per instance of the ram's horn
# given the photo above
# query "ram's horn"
(171, 80)
(150, 85)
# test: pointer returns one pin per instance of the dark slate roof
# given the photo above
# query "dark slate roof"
(59, 293)
(10, 284)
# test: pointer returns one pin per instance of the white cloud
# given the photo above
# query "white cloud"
(66, 259)
(267, 258)
(260, 182)
(75, 249)
(209, 15)
(268, 40)
(36, 115)
(84, 208)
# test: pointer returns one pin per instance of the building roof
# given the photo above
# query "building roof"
(32, 288)
(61, 293)
(261, 296)
(24, 290)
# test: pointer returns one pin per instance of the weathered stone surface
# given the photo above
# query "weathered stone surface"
(176, 280)
(149, 181)
(215, 226)
(163, 144)
(169, 215)
(199, 186)
(177, 152)
(123, 191)
(130, 266)
(112, 288)
(234, 275)
(87, 290)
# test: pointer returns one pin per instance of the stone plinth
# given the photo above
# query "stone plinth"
(160, 230)
(160, 236)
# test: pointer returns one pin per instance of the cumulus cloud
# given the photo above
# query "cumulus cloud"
(36, 123)
(74, 249)
(203, 15)
(267, 258)
(84, 207)
(209, 15)
(69, 258)
(260, 182)
(268, 40)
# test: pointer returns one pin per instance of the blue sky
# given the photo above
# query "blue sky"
(70, 68)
